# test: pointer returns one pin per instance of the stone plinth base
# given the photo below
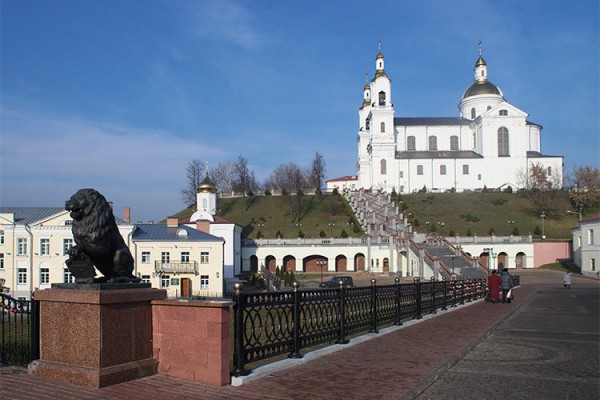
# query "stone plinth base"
(96, 338)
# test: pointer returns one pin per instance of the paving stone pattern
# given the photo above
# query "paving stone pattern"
(542, 346)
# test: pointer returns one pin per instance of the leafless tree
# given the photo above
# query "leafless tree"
(542, 187)
(317, 171)
(223, 175)
(584, 185)
(194, 173)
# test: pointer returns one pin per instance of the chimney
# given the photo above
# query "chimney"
(172, 222)
(127, 214)
(203, 225)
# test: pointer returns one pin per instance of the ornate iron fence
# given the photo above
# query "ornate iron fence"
(268, 325)
(19, 330)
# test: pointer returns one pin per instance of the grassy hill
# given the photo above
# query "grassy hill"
(461, 212)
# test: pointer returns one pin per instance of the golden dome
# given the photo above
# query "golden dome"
(480, 61)
(484, 87)
(206, 186)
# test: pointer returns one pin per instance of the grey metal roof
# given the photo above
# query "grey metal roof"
(532, 123)
(439, 154)
(29, 215)
(430, 121)
(537, 154)
(156, 232)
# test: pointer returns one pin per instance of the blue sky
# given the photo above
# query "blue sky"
(120, 95)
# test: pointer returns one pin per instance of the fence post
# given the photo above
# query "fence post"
(444, 307)
(296, 314)
(238, 331)
(35, 329)
(417, 282)
(373, 307)
(462, 291)
(454, 291)
(342, 339)
(433, 310)
(398, 298)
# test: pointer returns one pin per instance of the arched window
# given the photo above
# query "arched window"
(453, 142)
(433, 143)
(473, 113)
(503, 148)
(382, 127)
(503, 112)
(383, 167)
(411, 143)
(368, 123)
(204, 203)
(382, 98)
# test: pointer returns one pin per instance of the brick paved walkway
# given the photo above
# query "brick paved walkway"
(382, 368)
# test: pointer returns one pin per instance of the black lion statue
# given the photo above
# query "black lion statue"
(97, 240)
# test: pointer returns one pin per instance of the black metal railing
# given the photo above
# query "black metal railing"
(19, 330)
(268, 325)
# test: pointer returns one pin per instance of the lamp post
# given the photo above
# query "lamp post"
(543, 217)
(578, 213)
(452, 256)
(490, 252)
(320, 263)
(427, 226)
(442, 224)
(331, 225)
(510, 222)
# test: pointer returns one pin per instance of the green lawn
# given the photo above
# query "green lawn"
(328, 215)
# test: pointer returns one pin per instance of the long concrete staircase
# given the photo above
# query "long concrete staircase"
(381, 219)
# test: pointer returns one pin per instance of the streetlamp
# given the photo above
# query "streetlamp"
(442, 224)
(427, 225)
(490, 252)
(543, 216)
(452, 256)
(331, 225)
(320, 263)
(578, 213)
(509, 224)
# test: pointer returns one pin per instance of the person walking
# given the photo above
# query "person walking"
(506, 284)
(494, 282)
(567, 280)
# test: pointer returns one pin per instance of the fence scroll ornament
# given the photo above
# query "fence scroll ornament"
(98, 242)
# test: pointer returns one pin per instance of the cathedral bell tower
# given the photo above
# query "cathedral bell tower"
(206, 200)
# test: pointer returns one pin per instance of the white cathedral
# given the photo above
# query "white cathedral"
(491, 144)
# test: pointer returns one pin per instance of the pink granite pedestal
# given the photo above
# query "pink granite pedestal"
(96, 338)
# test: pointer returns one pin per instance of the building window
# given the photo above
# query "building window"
(592, 264)
(473, 113)
(503, 112)
(21, 247)
(383, 167)
(453, 142)
(411, 143)
(591, 237)
(466, 169)
(145, 257)
(67, 276)
(203, 281)
(442, 170)
(44, 276)
(382, 98)
(478, 177)
(67, 244)
(368, 124)
(69, 222)
(1, 260)
(419, 170)
(1, 237)
(145, 278)
(185, 256)
(165, 257)
(382, 127)
(503, 150)
(44, 247)
(401, 174)
(165, 281)
(204, 257)
(22, 276)
(549, 171)
(433, 143)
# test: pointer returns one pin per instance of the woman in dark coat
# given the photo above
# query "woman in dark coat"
(506, 284)
(494, 286)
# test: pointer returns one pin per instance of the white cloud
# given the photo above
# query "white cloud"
(45, 158)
